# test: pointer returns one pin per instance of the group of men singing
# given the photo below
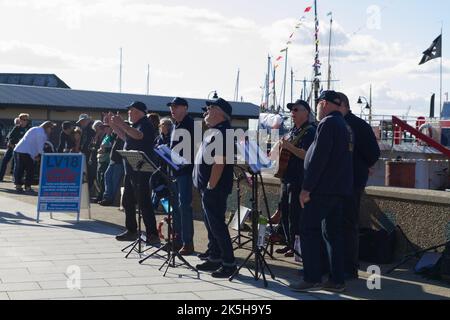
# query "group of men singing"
(213, 179)
(321, 189)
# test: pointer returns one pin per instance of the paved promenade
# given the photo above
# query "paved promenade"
(40, 261)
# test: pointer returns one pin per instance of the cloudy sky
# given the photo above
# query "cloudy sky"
(197, 46)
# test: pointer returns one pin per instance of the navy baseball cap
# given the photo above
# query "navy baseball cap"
(331, 96)
(299, 102)
(222, 104)
(178, 102)
(138, 105)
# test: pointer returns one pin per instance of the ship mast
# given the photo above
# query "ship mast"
(317, 73)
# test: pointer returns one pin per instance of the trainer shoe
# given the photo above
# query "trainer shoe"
(209, 266)
(224, 272)
(203, 256)
(333, 287)
(303, 286)
(127, 236)
(153, 240)
(187, 250)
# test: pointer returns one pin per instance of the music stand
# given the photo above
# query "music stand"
(238, 239)
(139, 163)
(253, 156)
(169, 246)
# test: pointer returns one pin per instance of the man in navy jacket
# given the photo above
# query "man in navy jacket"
(366, 154)
(327, 181)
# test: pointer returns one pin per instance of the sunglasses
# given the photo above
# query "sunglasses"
(209, 107)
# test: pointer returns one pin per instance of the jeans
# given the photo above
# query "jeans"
(129, 203)
(183, 220)
(290, 212)
(23, 163)
(220, 248)
(6, 158)
(351, 231)
(101, 169)
(323, 219)
(113, 179)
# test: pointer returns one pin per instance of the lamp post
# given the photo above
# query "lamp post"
(215, 96)
(368, 105)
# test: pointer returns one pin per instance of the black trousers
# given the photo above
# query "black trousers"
(129, 202)
(290, 211)
(352, 206)
(24, 163)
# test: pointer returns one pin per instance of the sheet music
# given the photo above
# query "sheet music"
(137, 159)
(254, 156)
(176, 158)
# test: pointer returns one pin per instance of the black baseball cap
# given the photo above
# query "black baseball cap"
(331, 96)
(299, 102)
(222, 104)
(138, 105)
(178, 102)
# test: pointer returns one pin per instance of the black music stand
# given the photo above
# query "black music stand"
(257, 251)
(239, 173)
(169, 247)
(139, 163)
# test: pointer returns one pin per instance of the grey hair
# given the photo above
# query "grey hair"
(166, 121)
(225, 115)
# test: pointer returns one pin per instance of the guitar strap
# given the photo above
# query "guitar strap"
(300, 136)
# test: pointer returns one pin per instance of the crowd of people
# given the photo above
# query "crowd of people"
(320, 195)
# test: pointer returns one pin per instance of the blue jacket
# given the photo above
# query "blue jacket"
(328, 162)
(366, 152)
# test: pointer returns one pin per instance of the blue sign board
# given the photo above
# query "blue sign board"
(60, 183)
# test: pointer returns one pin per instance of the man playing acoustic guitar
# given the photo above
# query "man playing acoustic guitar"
(292, 154)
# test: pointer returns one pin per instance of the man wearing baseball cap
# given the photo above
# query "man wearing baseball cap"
(214, 180)
(327, 181)
(296, 143)
(183, 135)
(139, 137)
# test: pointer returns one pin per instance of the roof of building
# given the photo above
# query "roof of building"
(32, 79)
(56, 98)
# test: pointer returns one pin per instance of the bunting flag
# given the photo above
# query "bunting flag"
(329, 14)
(289, 42)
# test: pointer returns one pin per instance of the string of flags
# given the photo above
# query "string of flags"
(415, 160)
(289, 41)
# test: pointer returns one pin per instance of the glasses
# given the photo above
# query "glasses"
(210, 108)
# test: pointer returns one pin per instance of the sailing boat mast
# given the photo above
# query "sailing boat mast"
(148, 79)
(329, 51)
(292, 85)
(317, 73)
(120, 72)
(268, 82)
(285, 78)
(236, 89)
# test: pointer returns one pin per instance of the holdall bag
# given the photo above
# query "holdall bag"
(376, 246)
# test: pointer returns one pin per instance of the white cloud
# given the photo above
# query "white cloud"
(214, 40)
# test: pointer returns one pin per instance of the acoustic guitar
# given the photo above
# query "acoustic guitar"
(285, 155)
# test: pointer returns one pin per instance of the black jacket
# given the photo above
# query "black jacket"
(329, 160)
(366, 152)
